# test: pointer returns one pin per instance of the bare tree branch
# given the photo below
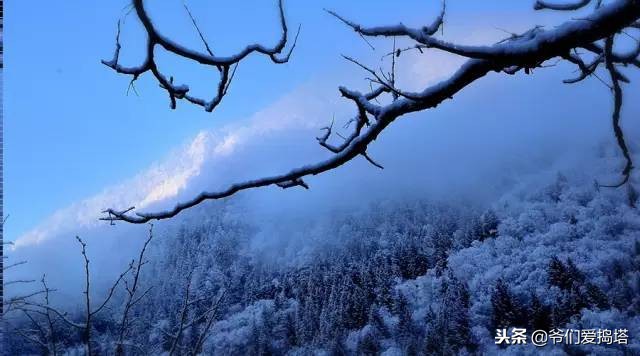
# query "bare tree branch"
(195, 24)
(526, 51)
(52, 334)
(62, 316)
(4, 268)
(44, 334)
(615, 117)
(226, 65)
(89, 311)
(183, 315)
(17, 281)
(523, 49)
(211, 315)
(49, 314)
(132, 297)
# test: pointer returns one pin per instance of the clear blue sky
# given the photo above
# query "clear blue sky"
(70, 128)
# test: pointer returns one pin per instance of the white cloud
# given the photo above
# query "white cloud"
(306, 108)
(165, 180)
(172, 184)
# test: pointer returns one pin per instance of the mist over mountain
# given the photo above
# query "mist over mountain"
(446, 155)
(490, 212)
(394, 276)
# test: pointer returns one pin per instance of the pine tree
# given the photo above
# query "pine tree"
(266, 332)
(405, 321)
(575, 275)
(596, 297)
(539, 314)
(442, 245)
(456, 314)
(369, 345)
(506, 309)
(253, 341)
(558, 274)
(554, 191)
(433, 344)
(489, 223)
(377, 323)
(290, 337)
(337, 347)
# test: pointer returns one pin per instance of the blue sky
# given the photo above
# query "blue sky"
(71, 131)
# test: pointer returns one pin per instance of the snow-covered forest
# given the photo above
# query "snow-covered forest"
(394, 278)
(454, 193)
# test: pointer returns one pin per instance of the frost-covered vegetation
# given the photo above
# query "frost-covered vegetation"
(393, 278)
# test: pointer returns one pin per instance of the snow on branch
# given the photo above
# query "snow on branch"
(518, 52)
(616, 88)
(226, 65)
(518, 49)
(567, 6)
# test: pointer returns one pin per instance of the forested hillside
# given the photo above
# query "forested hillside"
(393, 277)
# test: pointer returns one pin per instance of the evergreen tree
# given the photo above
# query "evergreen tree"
(433, 344)
(369, 345)
(559, 275)
(596, 297)
(290, 335)
(488, 225)
(337, 347)
(506, 311)
(405, 326)
(455, 304)
(539, 314)
(377, 323)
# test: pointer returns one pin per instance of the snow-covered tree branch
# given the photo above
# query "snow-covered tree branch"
(226, 65)
(595, 33)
